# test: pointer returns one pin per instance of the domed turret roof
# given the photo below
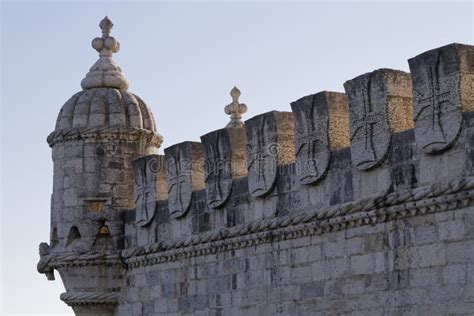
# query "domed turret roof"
(100, 107)
(104, 101)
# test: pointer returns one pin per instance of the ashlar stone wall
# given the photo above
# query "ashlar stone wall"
(422, 265)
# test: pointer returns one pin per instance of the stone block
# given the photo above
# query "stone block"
(425, 234)
(311, 289)
(454, 274)
(451, 230)
(320, 270)
(426, 277)
(460, 252)
(362, 264)
(428, 255)
(334, 249)
(375, 242)
(301, 274)
(338, 267)
(354, 246)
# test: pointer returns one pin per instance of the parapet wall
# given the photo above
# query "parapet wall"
(350, 203)
(332, 149)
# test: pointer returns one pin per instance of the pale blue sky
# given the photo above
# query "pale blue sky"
(182, 59)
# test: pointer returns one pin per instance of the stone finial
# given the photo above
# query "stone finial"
(105, 73)
(235, 109)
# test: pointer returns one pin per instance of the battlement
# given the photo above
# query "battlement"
(390, 132)
(288, 213)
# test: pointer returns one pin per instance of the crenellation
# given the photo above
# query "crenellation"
(185, 174)
(378, 221)
(440, 85)
(437, 76)
(314, 139)
(270, 143)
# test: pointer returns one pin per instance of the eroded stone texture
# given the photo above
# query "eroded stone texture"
(379, 105)
(317, 132)
(98, 133)
(105, 72)
(270, 140)
(238, 143)
(235, 110)
(218, 153)
(443, 81)
(149, 171)
(185, 174)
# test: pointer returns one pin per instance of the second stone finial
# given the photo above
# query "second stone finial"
(235, 109)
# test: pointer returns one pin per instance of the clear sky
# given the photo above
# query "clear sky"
(182, 59)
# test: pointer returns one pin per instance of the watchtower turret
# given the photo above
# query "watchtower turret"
(99, 132)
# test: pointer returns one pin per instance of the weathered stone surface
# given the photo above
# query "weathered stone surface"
(105, 73)
(98, 133)
(225, 153)
(218, 153)
(269, 139)
(321, 123)
(235, 110)
(149, 172)
(443, 81)
(262, 153)
(379, 105)
(185, 174)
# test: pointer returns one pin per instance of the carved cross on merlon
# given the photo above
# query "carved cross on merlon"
(443, 88)
(379, 105)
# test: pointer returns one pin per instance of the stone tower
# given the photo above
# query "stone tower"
(99, 131)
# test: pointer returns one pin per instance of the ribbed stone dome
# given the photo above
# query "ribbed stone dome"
(105, 107)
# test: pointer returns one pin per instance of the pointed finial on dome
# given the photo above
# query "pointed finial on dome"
(235, 109)
(105, 73)
(106, 25)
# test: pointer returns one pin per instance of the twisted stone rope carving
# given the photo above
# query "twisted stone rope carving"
(86, 298)
(434, 198)
(50, 261)
(107, 132)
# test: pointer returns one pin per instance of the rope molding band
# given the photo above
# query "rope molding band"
(293, 231)
(87, 298)
(109, 132)
(438, 197)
